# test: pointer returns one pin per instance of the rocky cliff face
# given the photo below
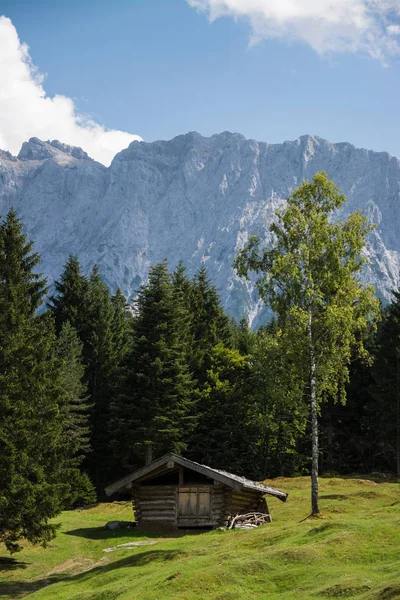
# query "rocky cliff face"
(192, 198)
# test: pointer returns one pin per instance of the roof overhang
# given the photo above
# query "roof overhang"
(169, 462)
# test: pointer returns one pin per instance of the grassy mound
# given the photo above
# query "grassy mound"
(351, 551)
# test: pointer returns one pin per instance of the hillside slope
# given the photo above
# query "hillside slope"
(352, 550)
(192, 198)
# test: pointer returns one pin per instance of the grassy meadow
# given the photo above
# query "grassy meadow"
(351, 550)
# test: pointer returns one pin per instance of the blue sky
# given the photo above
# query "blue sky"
(158, 68)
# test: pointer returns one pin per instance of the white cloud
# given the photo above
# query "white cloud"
(26, 111)
(326, 25)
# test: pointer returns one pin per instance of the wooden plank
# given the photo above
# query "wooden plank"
(154, 502)
(158, 518)
(155, 488)
(157, 511)
(204, 503)
(187, 503)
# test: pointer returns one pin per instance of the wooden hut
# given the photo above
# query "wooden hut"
(173, 492)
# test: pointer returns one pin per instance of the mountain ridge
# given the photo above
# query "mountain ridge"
(193, 198)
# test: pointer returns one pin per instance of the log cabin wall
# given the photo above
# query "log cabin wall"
(185, 499)
(220, 505)
(246, 501)
(156, 507)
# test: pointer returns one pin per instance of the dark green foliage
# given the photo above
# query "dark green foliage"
(70, 298)
(209, 324)
(101, 357)
(122, 324)
(387, 389)
(102, 324)
(30, 422)
(244, 338)
(74, 409)
(278, 421)
(154, 406)
(223, 432)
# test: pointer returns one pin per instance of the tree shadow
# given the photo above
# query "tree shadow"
(17, 589)
(100, 533)
(11, 564)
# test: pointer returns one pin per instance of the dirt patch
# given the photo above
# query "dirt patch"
(129, 545)
(74, 566)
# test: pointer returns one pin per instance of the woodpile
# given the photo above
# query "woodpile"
(249, 520)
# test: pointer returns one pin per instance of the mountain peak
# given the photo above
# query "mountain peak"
(36, 149)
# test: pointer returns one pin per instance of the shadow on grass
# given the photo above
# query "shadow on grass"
(100, 533)
(334, 497)
(11, 564)
(17, 589)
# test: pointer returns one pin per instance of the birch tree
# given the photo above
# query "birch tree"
(309, 276)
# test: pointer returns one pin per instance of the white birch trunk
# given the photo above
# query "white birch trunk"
(314, 424)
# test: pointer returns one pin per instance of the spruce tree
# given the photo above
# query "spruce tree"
(101, 360)
(222, 435)
(74, 408)
(387, 388)
(209, 325)
(71, 295)
(30, 423)
(153, 412)
(122, 324)
(209, 328)
(102, 325)
(244, 338)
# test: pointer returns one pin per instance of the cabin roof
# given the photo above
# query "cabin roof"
(169, 461)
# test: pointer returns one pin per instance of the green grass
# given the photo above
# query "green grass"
(351, 551)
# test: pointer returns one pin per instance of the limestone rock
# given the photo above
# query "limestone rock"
(192, 198)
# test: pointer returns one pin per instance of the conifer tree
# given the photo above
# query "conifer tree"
(182, 289)
(245, 338)
(222, 434)
(74, 409)
(153, 413)
(387, 389)
(121, 326)
(71, 295)
(210, 326)
(30, 422)
(101, 360)
(102, 324)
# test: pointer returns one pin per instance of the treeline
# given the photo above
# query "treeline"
(91, 388)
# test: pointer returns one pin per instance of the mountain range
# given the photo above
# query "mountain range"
(192, 198)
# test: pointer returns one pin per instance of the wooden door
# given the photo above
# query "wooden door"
(194, 506)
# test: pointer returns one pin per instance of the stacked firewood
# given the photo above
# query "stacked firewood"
(249, 520)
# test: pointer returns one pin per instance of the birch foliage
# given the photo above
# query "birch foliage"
(309, 276)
